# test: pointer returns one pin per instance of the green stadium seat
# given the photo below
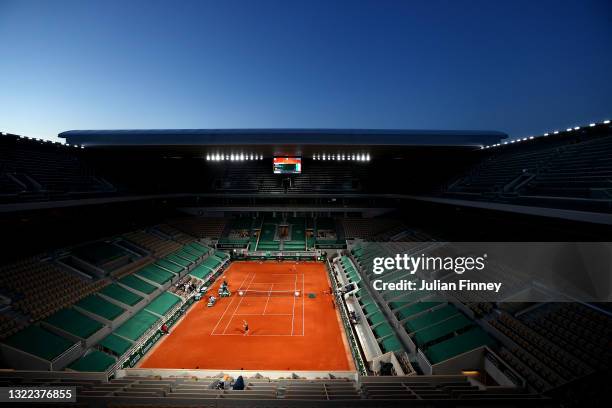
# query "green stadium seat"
(101, 307)
(371, 308)
(391, 343)
(171, 266)
(74, 323)
(377, 318)
(155, 274)
(178, 260)
(430, 318)
(196, 245)
(94, 361)
(39, 342)
(441, 330)
(120, 294)
(200, 271)
(406, 300)
(465, 342)
(383, 330)
(186, 255)
(415, 308)
(198, 253)
(221, 255)
(163, 303)
(212, 262)
(135, 283)
(116, 344)
(137, 325)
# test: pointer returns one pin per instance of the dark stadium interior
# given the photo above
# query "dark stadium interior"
(101, 229)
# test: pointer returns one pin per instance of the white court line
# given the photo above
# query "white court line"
(259, 314)
(268, 300)
(293, 309)
(261, 335)
(269, 283)
(295, 285)
(227, 307)
(303, 305)
(238, 307)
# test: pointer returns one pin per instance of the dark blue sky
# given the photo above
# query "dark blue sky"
(524, 67)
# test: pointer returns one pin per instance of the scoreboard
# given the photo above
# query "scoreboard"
(287, 165)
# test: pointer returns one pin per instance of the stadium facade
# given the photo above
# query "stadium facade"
(355, 138)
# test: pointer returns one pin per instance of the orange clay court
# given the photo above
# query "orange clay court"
(286, 332)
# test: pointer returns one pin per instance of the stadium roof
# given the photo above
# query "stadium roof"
(282, 137)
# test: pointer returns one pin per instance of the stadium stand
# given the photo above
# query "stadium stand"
(328, 233)
(458, 344)
(437, 328)
(74, 323)
(131, 391)
(93, 361)
(39, 342)
(154, 274)
(162, 304)
(237, 233)
(368, 228)
(118, 293)
(440, 329)
(97, 305)
(89, 313)
(579, 170)
(134, 282)
(158, 246)
(296, 239)
(114, 344)
(565, 170)
(169, 265)
(173, 233)
(40, 287)
(137, 325)
(544, 344)
(34, 170)
(268, 240)
(201, 227)
(324, 177)
(9, 325)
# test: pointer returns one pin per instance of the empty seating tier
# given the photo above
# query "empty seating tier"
(101, 307)
(94, 361)
(462, 343)
(138, 284)
(163, 303)
(75, 323)
(120, 294)
(137, 325)
(39, 342)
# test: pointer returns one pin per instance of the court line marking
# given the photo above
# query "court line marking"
(238, 306)
(293, 308)
(269, 296)
(254, 335)
(295, 285)
(270, 283)
(303, 305)
(259, 314)
(228, 305)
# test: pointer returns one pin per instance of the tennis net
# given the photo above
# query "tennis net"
(268, 293)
